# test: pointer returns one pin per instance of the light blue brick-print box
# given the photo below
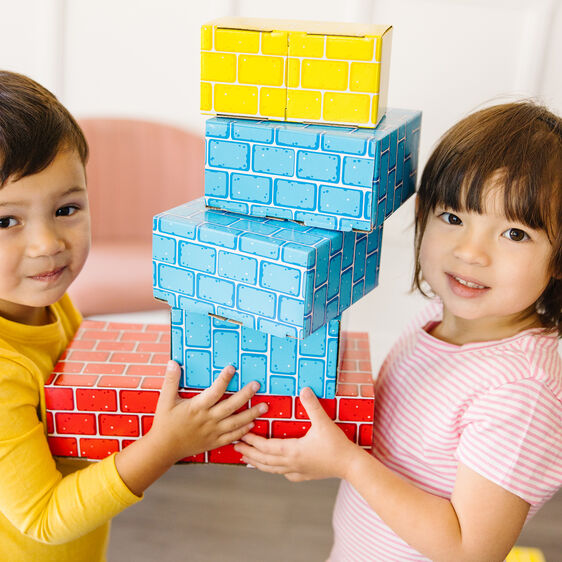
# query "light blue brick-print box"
(275, 276)
(339, 178)
(203, 345)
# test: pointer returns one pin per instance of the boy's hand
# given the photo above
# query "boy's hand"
(324, 452)
(185, 427)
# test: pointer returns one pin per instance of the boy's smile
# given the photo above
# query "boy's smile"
(488, 271)
(44, 237)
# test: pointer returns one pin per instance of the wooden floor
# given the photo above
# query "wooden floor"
(215, 513)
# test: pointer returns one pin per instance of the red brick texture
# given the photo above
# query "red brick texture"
(103, 393)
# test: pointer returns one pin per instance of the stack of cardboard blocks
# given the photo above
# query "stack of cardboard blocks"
(304, 162)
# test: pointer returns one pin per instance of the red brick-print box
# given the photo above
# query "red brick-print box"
(103, 392)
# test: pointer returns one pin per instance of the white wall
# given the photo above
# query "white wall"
(140, 58)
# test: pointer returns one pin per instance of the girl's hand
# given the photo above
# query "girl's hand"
(185, 427)
(324, 452)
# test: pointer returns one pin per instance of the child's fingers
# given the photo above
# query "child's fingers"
(234, 435)
(257, 455)
(232, 423)
(295, 477)
(213, 393)
(274, 447)
(169, 392)
(312, 405)
(226, 407)
(262, 463)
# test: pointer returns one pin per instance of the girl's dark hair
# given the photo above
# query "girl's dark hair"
(34, 126)
(522, 142)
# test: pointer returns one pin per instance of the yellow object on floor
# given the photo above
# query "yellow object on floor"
(525, 554)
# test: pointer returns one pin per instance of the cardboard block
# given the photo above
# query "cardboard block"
(273, 276)
(338, 178)
(203, 345)
(291, 70)
(91, 415)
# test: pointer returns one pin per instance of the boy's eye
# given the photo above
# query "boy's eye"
(66, 211)
(449, 218)
(7, 222)
(516, 235)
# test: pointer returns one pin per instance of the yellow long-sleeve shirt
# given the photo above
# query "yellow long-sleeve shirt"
(50, 509)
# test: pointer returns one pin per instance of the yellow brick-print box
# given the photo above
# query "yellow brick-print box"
(295, 70)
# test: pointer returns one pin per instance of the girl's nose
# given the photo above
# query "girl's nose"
(472, 249)
(45, 240)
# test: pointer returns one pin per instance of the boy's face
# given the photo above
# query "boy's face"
(486, 269)
(44, 237)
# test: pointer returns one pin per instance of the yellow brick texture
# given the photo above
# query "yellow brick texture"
(350, 48)
(324, 75)
(293, 74)
(274, 43)
(272, 102)
(232, 98)
(261, 70)
(304, 104)
(218, 67)
(237, 40)
(305, 45)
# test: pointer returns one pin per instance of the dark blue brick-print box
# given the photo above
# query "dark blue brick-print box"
(275, 276)
(203, 345)
(339, 178)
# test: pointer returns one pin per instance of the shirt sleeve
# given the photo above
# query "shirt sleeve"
(34, 496)
(512, 435)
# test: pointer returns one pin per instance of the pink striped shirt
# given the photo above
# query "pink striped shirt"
(494, 406)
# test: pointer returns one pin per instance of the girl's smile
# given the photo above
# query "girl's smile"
(487, 269)
(466, 287)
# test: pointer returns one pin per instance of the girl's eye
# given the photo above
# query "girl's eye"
(66, 211)
(7, 222)
(516, 235)
(449, 218)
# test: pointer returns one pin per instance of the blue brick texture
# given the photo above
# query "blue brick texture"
(203, 345)
(338, 178)
(274, 276)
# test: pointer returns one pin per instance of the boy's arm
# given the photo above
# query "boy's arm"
(183, 428)
(480, 522)
(34, 496)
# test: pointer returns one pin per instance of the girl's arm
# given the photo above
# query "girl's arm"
(480, 522)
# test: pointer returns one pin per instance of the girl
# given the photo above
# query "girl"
(467, 440)
(59, 509)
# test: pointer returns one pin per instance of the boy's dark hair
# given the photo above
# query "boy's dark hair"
(522, 141)
(34, 126)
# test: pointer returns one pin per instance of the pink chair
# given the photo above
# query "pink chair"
(136, 169)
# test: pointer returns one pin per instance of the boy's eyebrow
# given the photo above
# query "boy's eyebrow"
(74, 189)
(69, 191)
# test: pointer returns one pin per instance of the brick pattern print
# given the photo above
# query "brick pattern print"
(324, 176)
(203, 345)
(102, 394)
(295, 71)
(273, 276)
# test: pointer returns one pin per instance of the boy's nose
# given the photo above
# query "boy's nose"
(45, 241)
(472, 249)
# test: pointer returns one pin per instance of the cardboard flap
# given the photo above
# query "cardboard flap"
(304, 26)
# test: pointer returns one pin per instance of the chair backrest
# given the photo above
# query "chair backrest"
(137, 169)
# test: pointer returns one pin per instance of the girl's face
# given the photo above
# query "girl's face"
(486, 269)
(44, 237)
